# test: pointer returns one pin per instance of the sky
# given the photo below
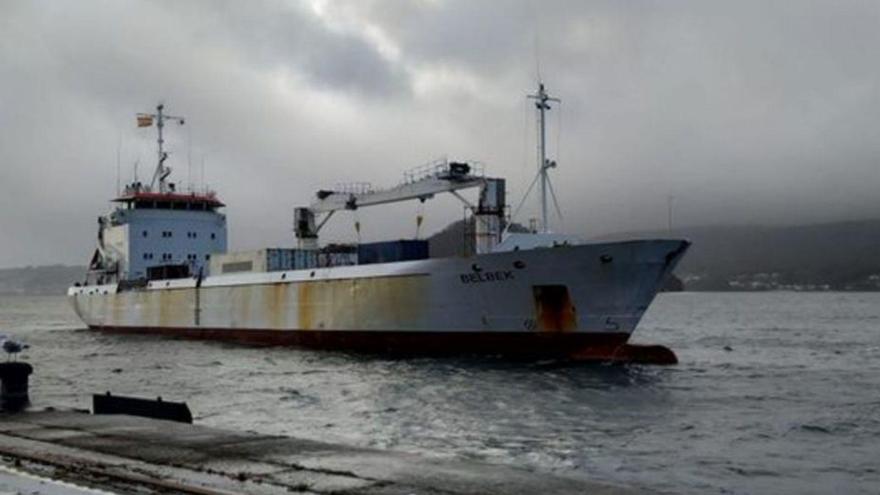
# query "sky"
(747, 112)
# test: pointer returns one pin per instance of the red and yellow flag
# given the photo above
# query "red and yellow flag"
(145, 120)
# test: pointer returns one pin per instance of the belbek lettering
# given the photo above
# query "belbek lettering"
(477, 278)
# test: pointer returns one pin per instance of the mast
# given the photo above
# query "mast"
(160, 167)
(146, 120)
(543, 105)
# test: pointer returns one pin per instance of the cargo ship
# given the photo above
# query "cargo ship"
(161, 265)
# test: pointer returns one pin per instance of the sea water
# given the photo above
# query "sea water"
(775, 393)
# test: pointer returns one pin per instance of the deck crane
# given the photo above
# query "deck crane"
(421, 184)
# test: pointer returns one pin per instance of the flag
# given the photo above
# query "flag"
(144, 120)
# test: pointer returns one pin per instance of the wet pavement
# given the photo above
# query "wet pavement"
(14, 481)
(131, 454)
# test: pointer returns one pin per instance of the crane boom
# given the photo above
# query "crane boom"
(421, 189)
(421, 184)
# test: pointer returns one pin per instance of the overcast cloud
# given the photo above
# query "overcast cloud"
(746, 112)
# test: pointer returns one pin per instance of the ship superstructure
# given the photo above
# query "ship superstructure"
(161, 266)
(156, 231)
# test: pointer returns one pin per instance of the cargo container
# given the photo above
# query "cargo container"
(391, 251)
(264, 260)
(338, 255)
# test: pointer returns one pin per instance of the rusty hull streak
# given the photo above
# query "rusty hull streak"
(116, 310)
(375, 302)
(305, 303)
(554, 309)
(175, 306)
(164, 297)
(245, 294)
(400, 300)
(275, 305)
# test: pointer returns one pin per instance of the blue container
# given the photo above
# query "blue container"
(279, 259)
(392, 251)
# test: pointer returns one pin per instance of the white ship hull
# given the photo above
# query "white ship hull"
(548, 301)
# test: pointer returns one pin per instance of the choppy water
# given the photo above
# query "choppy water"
(775, 393)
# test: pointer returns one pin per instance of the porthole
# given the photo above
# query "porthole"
(519, 264)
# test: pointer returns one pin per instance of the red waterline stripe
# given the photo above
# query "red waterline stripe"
(407, 342)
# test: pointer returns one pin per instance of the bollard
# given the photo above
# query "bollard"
(14, 388)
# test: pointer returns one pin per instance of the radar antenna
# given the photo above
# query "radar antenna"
(162, 172)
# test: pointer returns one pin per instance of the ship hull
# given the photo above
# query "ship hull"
(541, 302)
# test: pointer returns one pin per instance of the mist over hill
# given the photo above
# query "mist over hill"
(828, 256)
(40, 280)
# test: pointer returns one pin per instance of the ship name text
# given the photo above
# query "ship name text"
(478, 278)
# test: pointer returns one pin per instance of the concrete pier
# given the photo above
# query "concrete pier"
(127, 453)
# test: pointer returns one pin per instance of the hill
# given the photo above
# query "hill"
(829, 256)
(40, 280)
(451, 241)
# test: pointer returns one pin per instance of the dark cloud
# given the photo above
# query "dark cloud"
(744, 111)
(289, 37)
